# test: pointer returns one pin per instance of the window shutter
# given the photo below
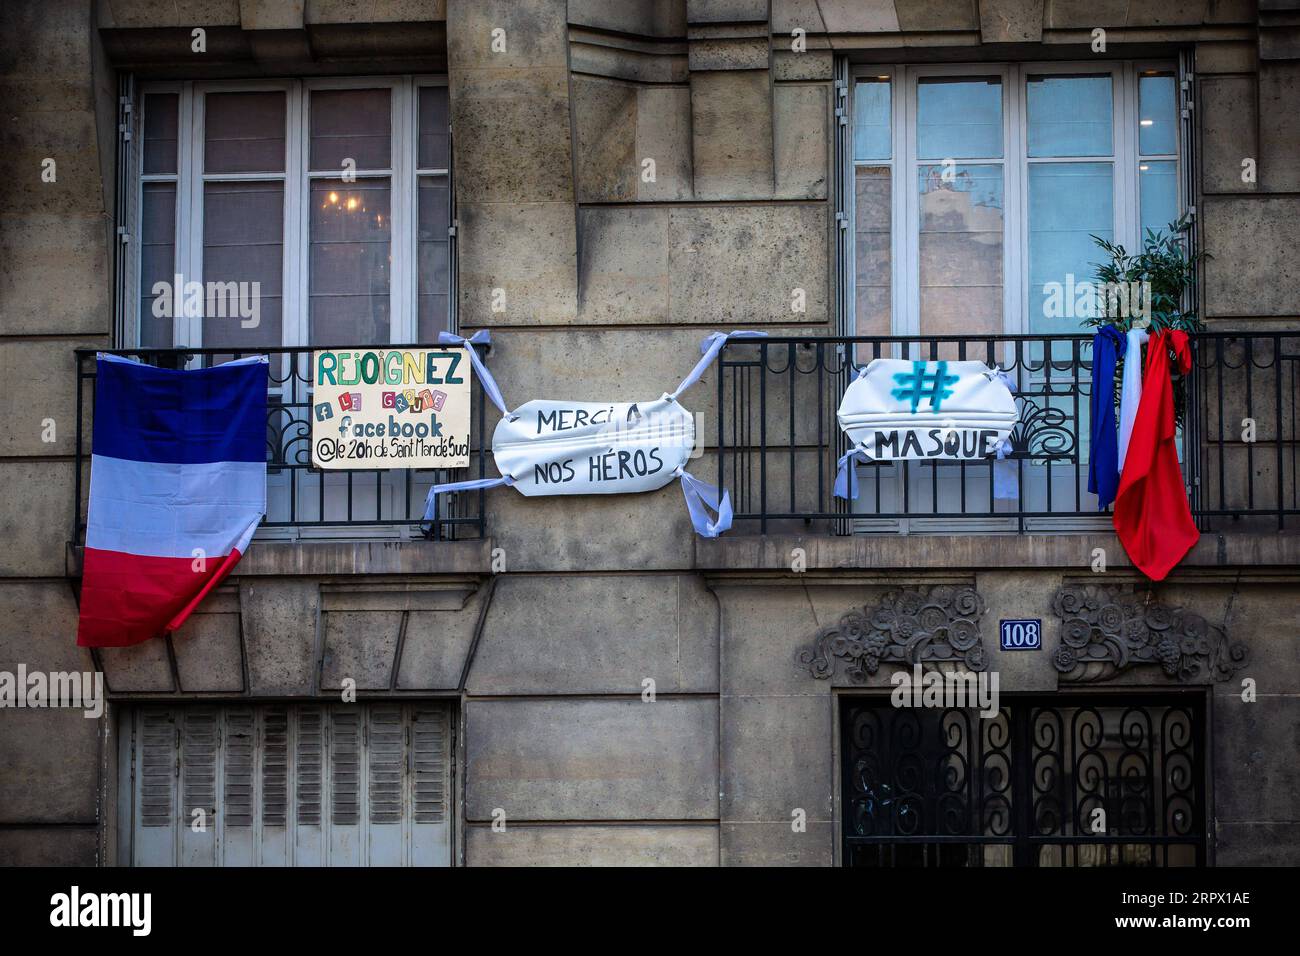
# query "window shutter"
(238, 783)
(430, 763)
(287, 784)
(199, 743)
(155, 762)
(275, 767)
(385, 762)
(345, 767)
(429, 748)
(126, 261)
(309, 756)
(157, 768)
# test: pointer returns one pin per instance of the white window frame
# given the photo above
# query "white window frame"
(403, 175)
(136, 292)
(903, 164)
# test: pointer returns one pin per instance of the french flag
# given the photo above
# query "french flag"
(177, 488)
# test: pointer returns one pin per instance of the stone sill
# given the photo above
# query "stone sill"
(1068, 552)
(318, 558)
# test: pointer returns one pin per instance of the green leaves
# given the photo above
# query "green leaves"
(1166, 273)
(1162, 269)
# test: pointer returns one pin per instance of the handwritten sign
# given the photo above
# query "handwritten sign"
(593, 448)
(900, 410)
(390, 408)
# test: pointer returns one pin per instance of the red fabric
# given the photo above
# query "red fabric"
(1152, 517)
(129, 598)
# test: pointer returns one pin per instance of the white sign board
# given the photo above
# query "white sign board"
(900, 409)
(390, 408)
(593, 448)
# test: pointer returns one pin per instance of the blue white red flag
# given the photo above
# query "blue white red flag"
(177, 488)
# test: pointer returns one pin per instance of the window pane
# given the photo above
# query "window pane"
(871, 127)
(1069, 116)
(1158, 185)
(872, 214)
(244, 132)
(1068, 204)
(1157, 115)
(350, 267)
(157, 259)
(160, 118)
(350, 124)
(961, 249)
(959, 118)
(243, 225)
(433, 128)
(434, 255)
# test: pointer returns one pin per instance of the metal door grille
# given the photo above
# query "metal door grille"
(1047, 782)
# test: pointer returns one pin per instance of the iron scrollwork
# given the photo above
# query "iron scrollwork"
(1104, 632)
(1043, 433)
(907, 627)
(1054, 780)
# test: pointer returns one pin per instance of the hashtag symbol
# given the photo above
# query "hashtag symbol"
(923, 384)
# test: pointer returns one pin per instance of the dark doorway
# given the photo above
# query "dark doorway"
(1049, 781)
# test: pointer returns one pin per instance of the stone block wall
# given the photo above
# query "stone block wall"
(629, 175)
(55, 294)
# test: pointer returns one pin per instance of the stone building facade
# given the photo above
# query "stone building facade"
(586, 680)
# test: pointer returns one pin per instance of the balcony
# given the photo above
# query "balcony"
(778, 440)
(305, 502)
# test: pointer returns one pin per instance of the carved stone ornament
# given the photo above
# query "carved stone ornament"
(908, 627)
(1105, 631)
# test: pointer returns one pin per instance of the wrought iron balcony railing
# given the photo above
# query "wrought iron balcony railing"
(778, 440)
(302, 499)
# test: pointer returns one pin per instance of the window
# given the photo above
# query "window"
(293, 212)
(977, 191)
(305, 784)
(976, 187)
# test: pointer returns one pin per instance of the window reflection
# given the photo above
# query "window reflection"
(1069, 203)
(242, 243)
(1157, 113)
(1069, 115)
(872, 235)
(1158, 184)
(959, 118)
(872, 138)
(961, 222)
(349, 261)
